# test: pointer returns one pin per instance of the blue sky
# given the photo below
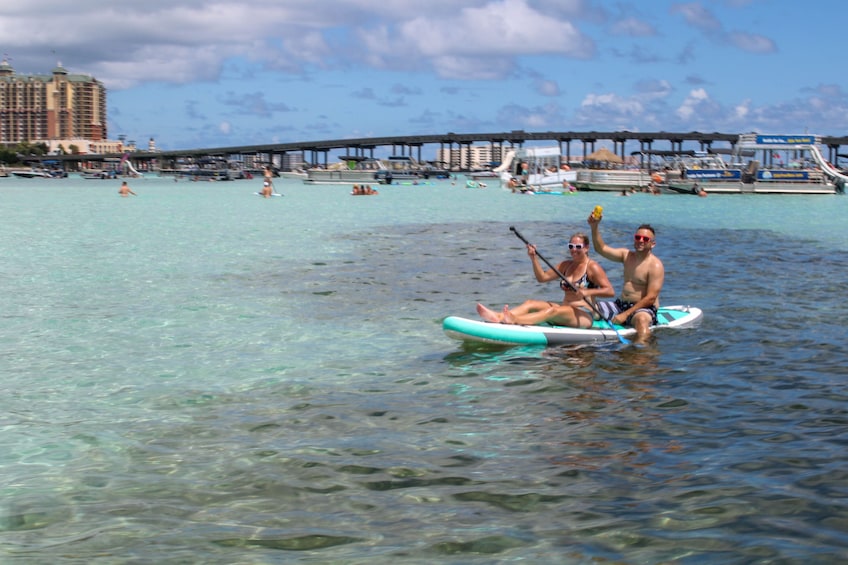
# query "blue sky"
(206, 73)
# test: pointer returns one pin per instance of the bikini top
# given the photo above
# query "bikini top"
(582, 282)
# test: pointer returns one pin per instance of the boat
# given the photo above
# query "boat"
(483, 175)
(398, 169)
(604, 170)
(297, 174)
(616, 180)
(353, 169)
(468, 330)
(38, 173)
(208, 174)
(537, 168)
(93, 174)
(787, 164)
(203, 169)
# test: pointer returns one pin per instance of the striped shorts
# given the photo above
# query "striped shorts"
(609, 309)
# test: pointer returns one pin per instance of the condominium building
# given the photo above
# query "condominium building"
(40, 108)
(469, 157)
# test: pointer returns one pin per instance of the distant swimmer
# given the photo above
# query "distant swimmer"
(125, 190)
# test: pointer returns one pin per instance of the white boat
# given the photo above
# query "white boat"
(537, 168)
(616, 179)
(298, 174)
(482, 175)
(97, 174)
(787, 164)
(37, 173)
(352, 170)
(205, 169)
(398, 168)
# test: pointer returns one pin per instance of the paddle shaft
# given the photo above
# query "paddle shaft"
(571, 286)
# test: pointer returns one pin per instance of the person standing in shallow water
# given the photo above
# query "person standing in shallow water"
(125, 190)
(644, 275)
(585, 275)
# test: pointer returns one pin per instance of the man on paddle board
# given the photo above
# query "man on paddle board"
(644, 274)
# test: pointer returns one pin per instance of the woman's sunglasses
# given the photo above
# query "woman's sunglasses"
(576, 246)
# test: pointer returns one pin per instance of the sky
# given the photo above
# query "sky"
(206, 73)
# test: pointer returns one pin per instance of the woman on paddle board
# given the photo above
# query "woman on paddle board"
(267, 183)
(588, 282)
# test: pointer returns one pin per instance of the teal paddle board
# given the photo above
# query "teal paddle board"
(465, 329)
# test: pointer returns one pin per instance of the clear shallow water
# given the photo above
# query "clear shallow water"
(200, 375)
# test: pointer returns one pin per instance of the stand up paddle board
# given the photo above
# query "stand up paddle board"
(272, 194)
(465, 329)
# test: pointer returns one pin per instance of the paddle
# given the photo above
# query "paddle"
(591, 304)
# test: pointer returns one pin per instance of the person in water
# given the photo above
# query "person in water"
(267, 183)
(125, 190)
(644, 275)
(585, 275)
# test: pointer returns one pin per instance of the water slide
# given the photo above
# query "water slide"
(507, 162)
(828, 169)
(125, 161)
(131, 169)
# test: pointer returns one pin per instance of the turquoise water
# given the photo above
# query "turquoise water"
(200, 375)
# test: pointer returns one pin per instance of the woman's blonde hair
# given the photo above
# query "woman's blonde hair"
(582, 236)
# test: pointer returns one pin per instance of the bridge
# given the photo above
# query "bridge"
(412, 145)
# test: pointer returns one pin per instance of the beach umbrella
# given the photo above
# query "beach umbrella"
(604, 154)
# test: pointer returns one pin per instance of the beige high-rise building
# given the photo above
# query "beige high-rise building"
(59, 106)
(468, 157)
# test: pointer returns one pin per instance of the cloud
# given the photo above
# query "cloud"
(254, 104)
(697, 16)
(366, 93)
(702, 19)
(690, 105)
(478, 42)
(633, 27)
(393, 103)
(191, 110)
(547, 87)
(548, 116)
(405, 90)
(751, 42)
(192, 40)
(609, 108)
(741, 110)
(511, 27)
(694, 80)
(653, 88)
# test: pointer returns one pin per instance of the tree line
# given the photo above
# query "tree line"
(17, 154)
